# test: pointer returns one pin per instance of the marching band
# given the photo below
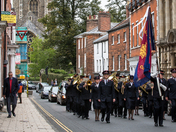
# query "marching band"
(114, 95)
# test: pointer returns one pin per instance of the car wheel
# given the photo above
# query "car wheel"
(57, 101)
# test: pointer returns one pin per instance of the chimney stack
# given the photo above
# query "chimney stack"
(92, 22)
(104, 21)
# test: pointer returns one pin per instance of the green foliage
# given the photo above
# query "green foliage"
(59, 71)
(40, 57)
(66, 20)
(117, 8)
(34, 78)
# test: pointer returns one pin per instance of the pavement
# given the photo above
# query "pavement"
(28, 119)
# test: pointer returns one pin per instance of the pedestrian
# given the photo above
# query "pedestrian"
(94, 97)
(106, 96)
(51, 82)
(68, 95)
(131, 95)
(20, 85)
(56, 82)
(10, 93)
(137, 102)
(171, 94)
(158, 99)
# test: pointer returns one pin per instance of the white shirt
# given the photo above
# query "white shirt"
(105, 81)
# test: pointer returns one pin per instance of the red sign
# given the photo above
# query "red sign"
(23, 33)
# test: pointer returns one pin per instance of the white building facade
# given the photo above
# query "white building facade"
(101, 60)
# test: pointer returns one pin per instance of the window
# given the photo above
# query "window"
(153, 22)
(104, 64)
(34, 7)
(133, 34)
(97, 65)
(104, 47)
(85, 60)
(119, 56)
(124, 36)
(113, 63)
(118, 38)
(107, 63)
(112, 40)
(85, 42)
(82, 44)
(100, 65)
(125, 57)
(78, 44)
(78, 61)
(137, 37)
(97, 48)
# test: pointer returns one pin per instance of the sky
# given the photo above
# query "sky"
(103, 3)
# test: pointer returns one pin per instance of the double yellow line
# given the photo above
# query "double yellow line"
(52, 117)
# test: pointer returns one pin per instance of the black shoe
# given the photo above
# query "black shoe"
(74, 114)
(173, 121)
(119, 115)
(132, 118)
(9, 116)
(14, 114)
(125, 117)
(102, 119)
(83, 117)
(156, 124)
(150, 116)
(161, 125)
(115, 115)
(87, 117)
(112, 114)
(107, 121)
(79, 116)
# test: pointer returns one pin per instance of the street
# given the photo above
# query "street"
(65, 121)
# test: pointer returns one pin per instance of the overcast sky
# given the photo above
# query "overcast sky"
(103, 3)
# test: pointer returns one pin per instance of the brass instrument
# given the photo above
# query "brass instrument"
(115, 80)
(77, 81)
(88, 82)
(125, 81)
(143, 87)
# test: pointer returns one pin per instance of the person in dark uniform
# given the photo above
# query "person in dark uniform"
(94, 97)
(137, 102)
(69, 100)
(115, 105)
(85, 96)
(106, 96)
(149, 89)
(131, 95)
(158, 100)
(122, 104)
(171, 93)
(144, 98)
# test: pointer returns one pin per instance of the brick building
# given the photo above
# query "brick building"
(96, 28)
(137, 9)
(167, 35)
(119, 49)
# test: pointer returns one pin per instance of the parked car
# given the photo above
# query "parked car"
(24, 82)
(39, 86)
(31, 85)
(53, 93)
(45, 92)
(61, 95)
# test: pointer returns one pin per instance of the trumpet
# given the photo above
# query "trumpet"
(115, 80)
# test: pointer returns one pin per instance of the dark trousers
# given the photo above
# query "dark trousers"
(122, 108)
(19, 96)
(144, 102)
(150, 107)
(69, 103)
(85, 108)
(11, 100)
(115, 107)
(106, 107)
(158, 110)
(173, 110)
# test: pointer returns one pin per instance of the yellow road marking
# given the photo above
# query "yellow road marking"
(52, 117)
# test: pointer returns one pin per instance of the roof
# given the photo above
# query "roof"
(122, 24)
(101, 39)
(95, 31)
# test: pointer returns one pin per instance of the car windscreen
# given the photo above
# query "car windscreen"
(47, 88)
(55, 90)
(30, 82)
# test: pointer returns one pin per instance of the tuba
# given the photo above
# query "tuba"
(115, 80)
(124, 82)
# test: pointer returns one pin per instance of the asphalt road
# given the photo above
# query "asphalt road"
(65, 121)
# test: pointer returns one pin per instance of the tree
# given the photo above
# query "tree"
(66, 20)
(40, 58)
(117, 8)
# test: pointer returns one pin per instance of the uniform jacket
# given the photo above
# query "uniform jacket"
(106, 93)
(155, 89)
(171, 92)
(68, 89)
(95, 91)
(149, 90)
(121, 96)
(131, 91)
(15, 88)
(85, 94)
